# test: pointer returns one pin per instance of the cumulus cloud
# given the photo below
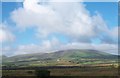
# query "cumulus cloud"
(45, 47)
(114, 32)
(71, 19)
(5, 34)
(111, 36)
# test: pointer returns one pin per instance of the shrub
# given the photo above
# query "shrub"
(42, 73)
(30, 72)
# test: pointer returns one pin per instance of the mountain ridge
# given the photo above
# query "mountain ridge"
(61, 57)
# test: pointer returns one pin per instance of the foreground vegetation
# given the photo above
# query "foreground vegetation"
(109, 70)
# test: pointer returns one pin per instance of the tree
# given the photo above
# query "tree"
(42, 73)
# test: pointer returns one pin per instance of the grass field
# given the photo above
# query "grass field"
(79, 71)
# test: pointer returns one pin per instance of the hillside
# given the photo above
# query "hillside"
(63, 57)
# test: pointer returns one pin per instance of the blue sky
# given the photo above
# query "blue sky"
(106, 12)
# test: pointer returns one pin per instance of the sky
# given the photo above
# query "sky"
(38, 27)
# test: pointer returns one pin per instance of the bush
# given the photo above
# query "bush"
(30, 72)
(42, 73)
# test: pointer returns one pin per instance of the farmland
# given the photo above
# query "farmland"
(103, 70)
(68, 63)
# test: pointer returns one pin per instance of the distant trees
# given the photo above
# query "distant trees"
(42, 73)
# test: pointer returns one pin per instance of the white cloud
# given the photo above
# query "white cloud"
(68, 18)
(48, 47)
(5, 34)
(45, 47)
(111, 36)
(114, 32)
(71, 19)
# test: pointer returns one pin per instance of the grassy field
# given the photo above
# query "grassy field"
(80, 71)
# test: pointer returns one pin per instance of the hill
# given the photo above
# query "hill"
(63, 57)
